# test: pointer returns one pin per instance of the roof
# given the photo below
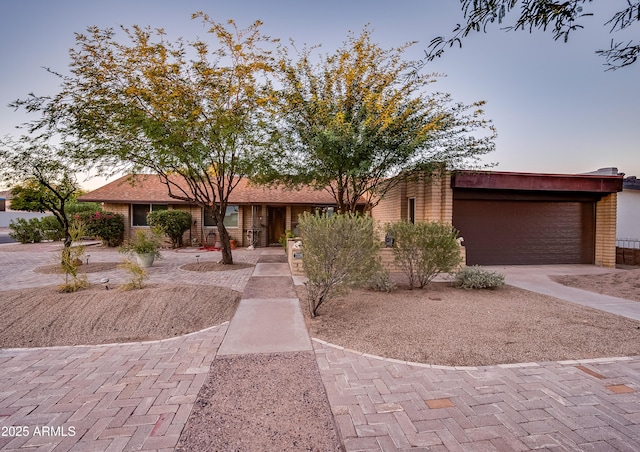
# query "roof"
(496, 180)
(631, 183)
(147, 188)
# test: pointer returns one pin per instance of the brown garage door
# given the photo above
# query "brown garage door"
(526, 232)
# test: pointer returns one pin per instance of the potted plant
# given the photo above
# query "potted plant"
(146, 247)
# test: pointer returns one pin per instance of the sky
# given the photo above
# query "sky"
(555, 107)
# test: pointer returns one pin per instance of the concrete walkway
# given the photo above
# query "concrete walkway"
(536, 279)
(141, 396)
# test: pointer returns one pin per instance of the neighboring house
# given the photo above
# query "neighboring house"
(7, 215)
(628, 225)
(504, 218)
(254, 213)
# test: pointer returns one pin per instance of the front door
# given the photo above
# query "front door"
(277, 224)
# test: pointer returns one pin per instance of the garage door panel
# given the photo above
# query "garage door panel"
(516, 232)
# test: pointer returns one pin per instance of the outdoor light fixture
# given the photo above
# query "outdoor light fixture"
(197, 258)
(105, 281)
(88, 256)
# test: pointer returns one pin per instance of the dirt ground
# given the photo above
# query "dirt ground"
(41, 317)
(449, 326)
(624, 284)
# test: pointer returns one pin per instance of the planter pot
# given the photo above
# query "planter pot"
(145, 260)
(234, 244)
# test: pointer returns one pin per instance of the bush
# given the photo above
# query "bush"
(107, 226)
(70, 262)
(137, 273)
(381, 282)
(26, 231)
(477, 278)
(173, 223)
(51, 228)
(424, 250)
(338, 252)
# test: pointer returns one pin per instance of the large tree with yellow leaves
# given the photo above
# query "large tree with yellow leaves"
(189, 112)
(353, 120)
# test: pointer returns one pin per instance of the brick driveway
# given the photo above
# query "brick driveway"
(138, 396)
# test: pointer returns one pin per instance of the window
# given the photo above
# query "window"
(139, 212)
(230, 217)
(412, 210)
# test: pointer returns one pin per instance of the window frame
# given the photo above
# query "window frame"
(151, 209)
(206, 217)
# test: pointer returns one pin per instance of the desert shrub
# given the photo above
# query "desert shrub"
(424, 250)
(26, 231)
(51, 228)
(286, 236)
(381, 282)
(107, 226)
(173, 223)
(338, 252)
(70, 261)
(137, 273)
(478, 278)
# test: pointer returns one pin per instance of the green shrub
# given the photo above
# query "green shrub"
(338, 252)
(284, 237)
(70, 262)
(424, 250)
(51, 228)
(107, 226)
(477, 278)
(381, 282)
(137, 273)
(173, 223)
(26, 231)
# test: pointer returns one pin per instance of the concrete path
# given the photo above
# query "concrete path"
(536, 279)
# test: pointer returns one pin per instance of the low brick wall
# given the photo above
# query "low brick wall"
(294, 256)
(627, 256)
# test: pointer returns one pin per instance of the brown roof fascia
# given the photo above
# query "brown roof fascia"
(495, 180)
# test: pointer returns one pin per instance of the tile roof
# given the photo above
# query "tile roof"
(147, 188)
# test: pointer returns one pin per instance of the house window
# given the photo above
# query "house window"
(139, 212)
(230, 217)
(412, 210)
(321, 210)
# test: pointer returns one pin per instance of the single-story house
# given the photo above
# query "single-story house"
(503, 217)
(255, 214)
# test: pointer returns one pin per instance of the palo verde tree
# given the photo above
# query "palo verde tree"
(560, 17)
(42, 178)
(188, 112)
(352, 120)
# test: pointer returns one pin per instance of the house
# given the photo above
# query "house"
(628, 225)
(504, 218)
(255, 214)
(508, 218)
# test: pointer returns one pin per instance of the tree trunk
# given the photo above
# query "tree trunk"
(225, 241)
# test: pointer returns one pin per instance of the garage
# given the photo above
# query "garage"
(520, 219)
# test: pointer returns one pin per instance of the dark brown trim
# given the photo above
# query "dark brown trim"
(484, 180)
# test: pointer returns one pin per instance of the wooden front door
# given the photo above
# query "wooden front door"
(277, 224)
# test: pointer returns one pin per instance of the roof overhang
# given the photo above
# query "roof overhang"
(577, 183)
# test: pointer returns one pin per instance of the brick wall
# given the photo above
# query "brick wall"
(605, 247)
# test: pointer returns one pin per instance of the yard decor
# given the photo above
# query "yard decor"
(424, 250)
(145, 246)
(340, 251)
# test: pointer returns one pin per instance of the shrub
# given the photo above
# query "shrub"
(338, 252)
(138, 275)
(173, 223)
(381, 282)
(284, 237)
(26, 231)
(51, 228)
(107, 226)
(477, 278)
(424, 250)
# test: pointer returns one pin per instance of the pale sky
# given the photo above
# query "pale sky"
(554, 106)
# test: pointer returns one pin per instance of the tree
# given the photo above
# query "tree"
(562, 18)
(42, 179)
(357, 118)
(186, 112)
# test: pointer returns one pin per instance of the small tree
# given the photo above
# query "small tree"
(70, 261)
(424, 250)
(339, 252)
(173, 223)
